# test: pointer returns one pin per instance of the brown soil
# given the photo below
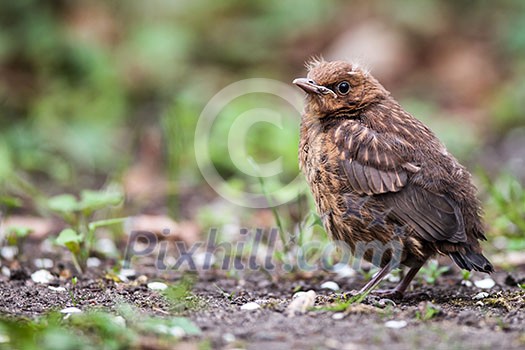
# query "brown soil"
(460, 322)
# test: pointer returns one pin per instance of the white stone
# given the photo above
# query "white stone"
(228, 337)
(128, 272)
(338, 316)
(42, 276)
(204, 259)
(57, 289)
(6, 272)
(157, 286)
(393, 278)
(301, 302)
(107, 247)
(177, 332)
(343, 270)
(330, 285)
(480, 295)
(44, 263)
(93, 262)
(250, 306)
(486, 283)
(71, 310)
(9, 252)
(396, 324)
(466, 283)
(119, 320)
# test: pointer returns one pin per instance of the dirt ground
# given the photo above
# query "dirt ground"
(457, 320)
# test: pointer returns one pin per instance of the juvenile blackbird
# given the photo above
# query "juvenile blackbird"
(382, 181)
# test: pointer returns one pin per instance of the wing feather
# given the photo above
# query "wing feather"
(377, 169)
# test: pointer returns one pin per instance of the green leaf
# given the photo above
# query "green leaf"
(108, 222)
(70, 239)
(94, 200)
(11, 202)
(19, 231)
(16, 234)
(65, 203)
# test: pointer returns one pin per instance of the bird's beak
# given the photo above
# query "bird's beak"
(309, 86)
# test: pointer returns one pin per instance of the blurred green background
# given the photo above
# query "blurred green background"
(98, 93)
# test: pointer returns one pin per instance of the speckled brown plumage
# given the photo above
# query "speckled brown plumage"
(380, 176)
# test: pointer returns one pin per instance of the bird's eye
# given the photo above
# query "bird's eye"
(343, 87)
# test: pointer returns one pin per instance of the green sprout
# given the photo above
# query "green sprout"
(432, 271)
(429, 312)
(16, 236)
(79, 237)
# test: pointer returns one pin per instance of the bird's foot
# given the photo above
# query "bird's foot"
(388, 294)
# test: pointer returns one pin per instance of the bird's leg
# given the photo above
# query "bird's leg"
(376, 279)
(399, 290)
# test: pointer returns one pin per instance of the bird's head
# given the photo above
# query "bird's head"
(339, 88)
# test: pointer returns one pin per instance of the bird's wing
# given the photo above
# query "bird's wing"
(377, 166)
(434, 217)
(372, 163)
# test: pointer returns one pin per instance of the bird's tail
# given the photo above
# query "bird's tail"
(470, 260)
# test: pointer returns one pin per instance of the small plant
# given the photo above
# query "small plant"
(432, 271)
(79, 237)
(465, 275)
(344, 302)
(505, 208)
(428, 312)
(74, 282)
(16, 236)
(180, 296)
(368, 274)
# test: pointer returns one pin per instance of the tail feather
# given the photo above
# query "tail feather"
(470, 260)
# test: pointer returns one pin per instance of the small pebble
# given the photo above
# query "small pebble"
(393, 278)
(44, 263)
(301, 302)
(338, 316)
(9, 252)
(93, 262)
(119, 320)
(480, 295)
(330, 285)
(343, 270)
(142, 279)
(57, 289)
(130, 273)
(228, 337)
(157, 286)
(177, 332)
(204, 260)
(480, 303)
(394, 324)
(250, 306)
(42, 276)
(126, 274)
(486, 283)
(107, 247)
(6, 272)
(71, 310)
(466, 283)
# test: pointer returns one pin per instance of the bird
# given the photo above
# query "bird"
(383, 184)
